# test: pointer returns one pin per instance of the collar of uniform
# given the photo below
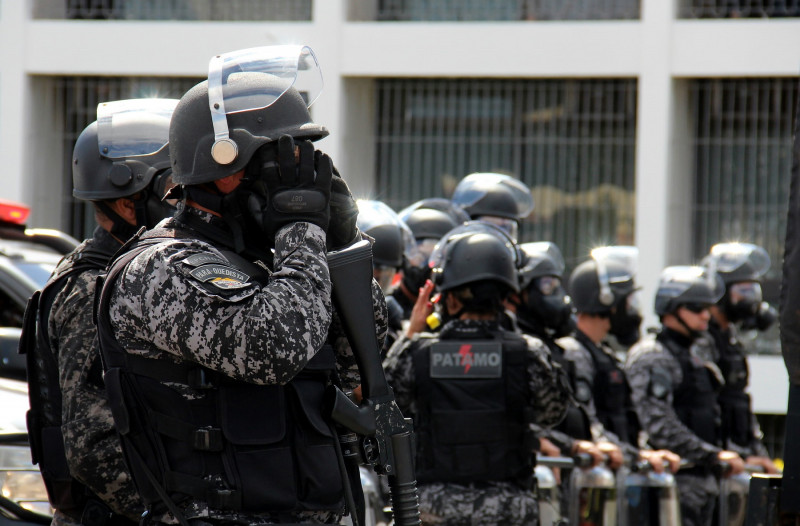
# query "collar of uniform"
(103, 241)
(470, 329)
(675, 336)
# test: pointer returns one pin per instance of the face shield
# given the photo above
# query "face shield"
(513, 196)
(730, 258)
(616, 266)
(294, 67)
(510, 226)
(133, 127)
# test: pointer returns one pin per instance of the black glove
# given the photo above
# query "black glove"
(296, 192)
(344, 212)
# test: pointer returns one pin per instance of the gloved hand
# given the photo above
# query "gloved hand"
(342, 229)
(299, 188)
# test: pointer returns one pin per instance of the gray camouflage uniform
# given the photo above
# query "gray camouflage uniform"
(261, 334)
(698, 491)
(93, 451)
(486, 502)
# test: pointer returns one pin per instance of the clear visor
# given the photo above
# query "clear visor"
(509, 226)
(540, 250)
(474, 186)
(384, 276)
(727, 257)
(133, 127)
(471, 227)
(745, 292)
(678, 279)
(624, 255)
(547, 285)
(372, 214)
(419, 256)
(287, 66)
(633, 303)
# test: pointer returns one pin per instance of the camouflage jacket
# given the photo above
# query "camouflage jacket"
(93, 451)
(163, 306)
(649, 366)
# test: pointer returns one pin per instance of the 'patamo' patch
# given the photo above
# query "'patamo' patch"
(221, 276)
(466, 359)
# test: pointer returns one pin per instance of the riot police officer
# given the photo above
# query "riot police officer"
(428, 226)
(675, 392)
(473, 390)
(121, 165)
(606, 302)
(495, 198)
(216, 328)
(742, 267)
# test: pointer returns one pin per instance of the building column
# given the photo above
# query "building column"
(659, 185)
(14, 98)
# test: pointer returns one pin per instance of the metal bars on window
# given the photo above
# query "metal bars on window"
(493, 10)
(213, 10)
(739, 8)
(742, 143)
(571, 141)
(78, 98)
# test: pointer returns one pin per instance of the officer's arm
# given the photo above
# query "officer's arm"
(548, 384)
(399, 370)
(652, 377)
(261, 334)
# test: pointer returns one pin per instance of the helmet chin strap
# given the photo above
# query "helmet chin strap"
(692, 333)
(120, 229)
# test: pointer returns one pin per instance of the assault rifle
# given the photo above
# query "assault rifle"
(385, 437)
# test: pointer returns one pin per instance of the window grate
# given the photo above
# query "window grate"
(571, 141)
(492, 10)
(739, 8)
(78, 98)
(214, 10)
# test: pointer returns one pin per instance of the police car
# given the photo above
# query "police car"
(27, 257)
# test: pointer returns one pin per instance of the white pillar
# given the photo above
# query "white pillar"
(14, 97)
(655, 177)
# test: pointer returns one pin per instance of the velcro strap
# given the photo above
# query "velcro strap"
(189, 374)
(219, 498)
(201, 439)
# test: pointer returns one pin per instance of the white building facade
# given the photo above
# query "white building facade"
(661, 123)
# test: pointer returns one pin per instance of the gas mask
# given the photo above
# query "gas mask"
(547, 305)
(742, 300)
(626, 319)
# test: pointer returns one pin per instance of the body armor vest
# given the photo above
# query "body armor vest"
(576, 422)
(44, 418)
(472, 398)
(733, 400)
(611, 393)
(695, 399)
(231, 444)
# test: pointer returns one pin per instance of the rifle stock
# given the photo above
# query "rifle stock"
(386, 436)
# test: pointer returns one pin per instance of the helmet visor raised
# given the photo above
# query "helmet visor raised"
(133, 127)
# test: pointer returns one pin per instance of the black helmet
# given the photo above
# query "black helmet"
(392, 236)
(599, 285)
(118, 154)
(251, 97)
(427, 223)
(683, 285)
(436, 203)
(493, 194)
(538, 260)
(475, 252)
(742, 267)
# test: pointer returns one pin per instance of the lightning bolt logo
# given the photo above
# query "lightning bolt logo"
(466, 356)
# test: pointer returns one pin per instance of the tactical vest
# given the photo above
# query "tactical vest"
(232, 444)
(695, 399)
(472, 398)
(611, 393)
(576, 422)
(44, 418)
(733, 400)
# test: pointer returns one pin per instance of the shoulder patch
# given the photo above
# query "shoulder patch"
(660, 383)
(468, 359)
(583, 391)
(220, 275)
(204, 258)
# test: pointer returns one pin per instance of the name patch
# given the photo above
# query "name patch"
(476, 359)
(221, 276)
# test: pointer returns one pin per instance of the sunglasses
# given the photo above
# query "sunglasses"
(697, 308)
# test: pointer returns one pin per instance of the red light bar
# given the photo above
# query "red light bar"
(11, 212)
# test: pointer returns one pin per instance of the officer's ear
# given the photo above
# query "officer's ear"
(125, 208)
(451, 302)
